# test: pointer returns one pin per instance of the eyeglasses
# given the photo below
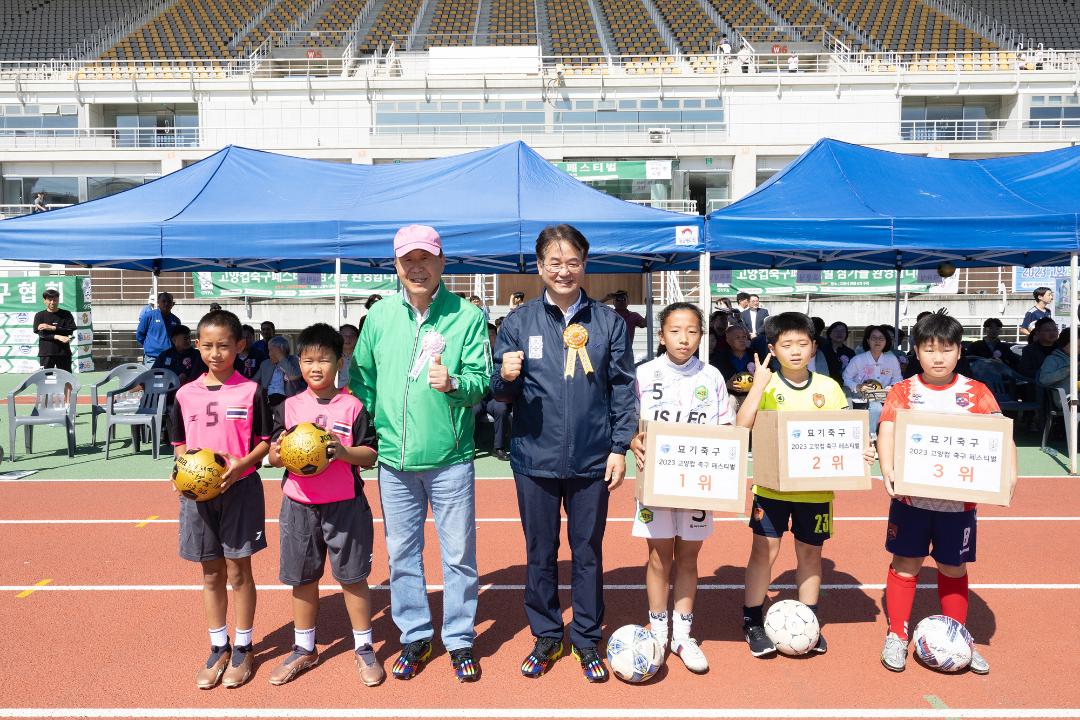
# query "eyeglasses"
(556, 268)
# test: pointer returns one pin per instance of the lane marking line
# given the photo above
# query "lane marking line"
(156, 520)
(488, 712)
(510, 587)
(938, 704)
(28, 591)
(147, 521)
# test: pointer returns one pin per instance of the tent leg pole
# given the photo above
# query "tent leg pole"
(650, 349)
(705, 292)
(154, 286)
(896, 309)
(337, 291)
(1070, 416)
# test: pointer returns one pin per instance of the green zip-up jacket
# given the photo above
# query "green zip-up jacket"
(420, 428)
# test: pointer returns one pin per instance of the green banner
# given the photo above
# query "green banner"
(829, 282)
(20, 300)
(617, 169)
(288, 284)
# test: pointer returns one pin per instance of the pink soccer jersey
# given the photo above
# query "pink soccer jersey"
(343, 415)
(229, 418)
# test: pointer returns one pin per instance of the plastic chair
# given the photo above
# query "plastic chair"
(49, 409)
(157, 384)
(1061, 411)
(123, 374)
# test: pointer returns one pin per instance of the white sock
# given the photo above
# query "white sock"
(658, 626)
(362, 642)
(304, 638)
(219, 637)
(680, 625)
(243, 637)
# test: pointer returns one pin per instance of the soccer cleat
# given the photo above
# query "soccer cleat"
(978, 664)
(688, 651)
(759, 642)
(591, 664)
(466, 667)
(820, 647)
(241, 667)
(370, 674)
(894, 654)
(544, 654)
(294, 663)
(209, 676)
(412, 658)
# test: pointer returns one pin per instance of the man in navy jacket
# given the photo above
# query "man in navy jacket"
(564, 361)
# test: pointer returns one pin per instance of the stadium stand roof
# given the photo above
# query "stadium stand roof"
(255, 210)
(841, 205)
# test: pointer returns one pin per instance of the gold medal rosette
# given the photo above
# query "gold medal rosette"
(575, 337)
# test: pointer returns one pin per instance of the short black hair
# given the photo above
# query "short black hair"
(214, 306)
(349, 326)
(992, 321)
(372, 299)
(222, 319)
(518, 294)
(819, 324)
(937, 327)
(883, 329)
(51, 294)
(561, 233)
(739, 297)
(162, 295)
(1063, 338)
(1039, 291)
(923, 314)
(247, 328)
(677, 306)
(320, 336)
(838, 323)
(1043, 322)
(788, 322)
(179, 330)
(268, 322)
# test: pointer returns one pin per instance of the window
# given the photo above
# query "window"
(99, 187)
(951, 118)
(768, 166)
(1054, 111)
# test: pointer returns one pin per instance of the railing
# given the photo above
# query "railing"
(252, 23)
(997, 31)
(9, 211)
(950, 130)
(682, 206)
(109, 35)
(601, 134)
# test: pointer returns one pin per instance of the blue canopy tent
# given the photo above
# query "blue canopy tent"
(845, 206)
(256, 210)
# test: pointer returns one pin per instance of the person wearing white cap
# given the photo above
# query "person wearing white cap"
(421, 363)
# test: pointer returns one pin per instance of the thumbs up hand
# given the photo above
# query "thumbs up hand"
(438, 375)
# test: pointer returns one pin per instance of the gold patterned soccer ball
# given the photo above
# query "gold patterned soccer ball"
(303, 449)
(197, 474)
(742, 382)
(872, 385)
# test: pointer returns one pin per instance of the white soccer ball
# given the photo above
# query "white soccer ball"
(942, 643)
(634, 654)
(792, 626)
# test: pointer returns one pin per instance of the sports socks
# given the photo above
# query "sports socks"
(304, 639)
(362, 642)
(219, 637)
(680, 625)
(899, 597)
(953, 593)
(243, 637)
(658, 626)
(753, 615)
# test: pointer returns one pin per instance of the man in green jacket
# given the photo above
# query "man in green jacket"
(421, 363)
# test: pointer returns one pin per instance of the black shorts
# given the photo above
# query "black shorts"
(60, 362)
(232, 525)
(810, 523)
(342, 529)
(913, 531)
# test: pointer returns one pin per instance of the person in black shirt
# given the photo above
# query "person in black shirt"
(1044, 336)
(837, 353)
(181, 358)
(54, 328)
(249, 359)
(991, 346)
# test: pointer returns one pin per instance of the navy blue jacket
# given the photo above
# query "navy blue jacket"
(566, 427)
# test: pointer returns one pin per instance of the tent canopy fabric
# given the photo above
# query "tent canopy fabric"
(842, 205)
(256, 210)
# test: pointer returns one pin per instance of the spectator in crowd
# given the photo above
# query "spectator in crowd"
(182, 359)
(155, 324)
(499, 412)
(279, 375)
(349, 335)
(1041, 309)
(1043, 336)
(735, 359)
(725, 46)
(742, 299)
(214, 307)
(819, 330)
(746, 58)
(837, 353)
(516, 299)
(793, 64)
(1054, 372)
(372, 299)
(620, 300)
(753, 317)
(724, 304)
(267, 330)
(54, 328)
(248, 359)
(991, 346)
(876, 363)
(479, 302)
(39, 205)
(718, 325)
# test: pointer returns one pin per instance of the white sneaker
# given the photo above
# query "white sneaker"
(692, 657)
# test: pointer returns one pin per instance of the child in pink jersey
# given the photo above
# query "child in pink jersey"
(224, 412)
(326, 513)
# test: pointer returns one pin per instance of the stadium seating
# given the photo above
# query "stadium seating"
(807, 13)
(693, 29)
(513, 22)
(391, 26)
(337, 18)
(910, 26)
(189, 28)
(452, 23)
(1055, 23)
(284, 17)
(742, 14)
(38, 30)
(632, 29)
(573, 31)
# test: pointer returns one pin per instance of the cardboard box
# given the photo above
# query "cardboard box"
(953, 456)
(694, 467)
(811, 450)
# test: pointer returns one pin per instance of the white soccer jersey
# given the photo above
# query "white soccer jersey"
(690, 393)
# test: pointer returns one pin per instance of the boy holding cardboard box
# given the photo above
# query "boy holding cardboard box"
(917, 523)
(809, 514)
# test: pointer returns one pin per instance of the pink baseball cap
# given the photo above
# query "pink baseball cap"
(417, 237)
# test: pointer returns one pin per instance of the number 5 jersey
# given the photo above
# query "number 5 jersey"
(689, 393)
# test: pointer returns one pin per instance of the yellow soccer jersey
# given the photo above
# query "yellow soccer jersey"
(821, 392)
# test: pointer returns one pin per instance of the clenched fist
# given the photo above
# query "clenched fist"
(512, 363)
